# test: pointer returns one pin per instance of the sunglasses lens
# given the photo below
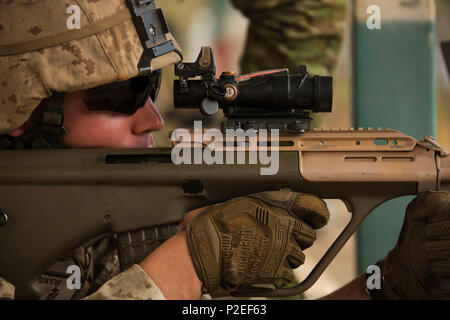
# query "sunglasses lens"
(124, 96)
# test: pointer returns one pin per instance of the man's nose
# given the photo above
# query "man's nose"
(147, 119)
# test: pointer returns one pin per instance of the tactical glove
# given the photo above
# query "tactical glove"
(419, 266)
(255, 240)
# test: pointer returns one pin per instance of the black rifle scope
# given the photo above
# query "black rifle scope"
(265, 99)
(266, 92)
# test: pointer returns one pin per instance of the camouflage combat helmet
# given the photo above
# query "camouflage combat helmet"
(40, 54)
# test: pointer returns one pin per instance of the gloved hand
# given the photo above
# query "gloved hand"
(419, 266)
(255, 240)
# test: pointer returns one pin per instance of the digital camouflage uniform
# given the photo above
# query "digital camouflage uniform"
(281, 33)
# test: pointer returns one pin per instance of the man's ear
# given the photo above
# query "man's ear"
(32, 120)
(18, 131)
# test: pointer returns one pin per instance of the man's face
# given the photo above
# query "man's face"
(105, 129)
(108, 129)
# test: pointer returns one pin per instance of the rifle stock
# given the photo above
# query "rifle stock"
(55, 200)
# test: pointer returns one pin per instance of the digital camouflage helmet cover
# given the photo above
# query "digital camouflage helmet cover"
(40, 55)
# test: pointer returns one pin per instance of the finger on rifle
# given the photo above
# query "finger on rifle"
(437, 250)
(296, 257)
(303, 234)
(441, 268)
(428, 205)
(438, 231)
(311, 209)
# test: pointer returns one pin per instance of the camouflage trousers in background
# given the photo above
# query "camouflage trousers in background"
(288, 33)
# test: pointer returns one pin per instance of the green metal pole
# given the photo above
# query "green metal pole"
(394, 87)
(219, 7)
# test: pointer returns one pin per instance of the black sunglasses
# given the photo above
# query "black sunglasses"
(124, 96)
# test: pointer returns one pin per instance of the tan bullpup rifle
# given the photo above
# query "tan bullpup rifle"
(52, 201)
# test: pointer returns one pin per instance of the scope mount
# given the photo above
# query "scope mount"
(298, 121)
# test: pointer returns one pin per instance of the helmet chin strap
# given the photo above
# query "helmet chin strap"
(48, 133)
